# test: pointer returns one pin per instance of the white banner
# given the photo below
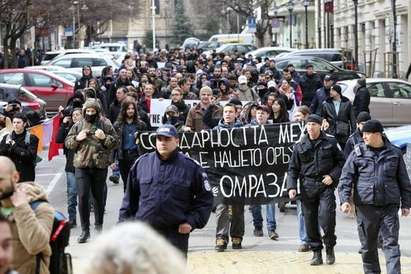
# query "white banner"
(158, 107)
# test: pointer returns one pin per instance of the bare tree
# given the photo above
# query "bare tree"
(247, 8)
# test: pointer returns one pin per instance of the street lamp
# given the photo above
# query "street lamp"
(153, 14)
(355, 33)
(394, 40)
(306, 4)
(73, 7)
(290, 6)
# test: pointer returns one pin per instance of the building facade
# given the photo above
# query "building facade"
(375, 34)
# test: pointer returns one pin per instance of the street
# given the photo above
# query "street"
(259, 255)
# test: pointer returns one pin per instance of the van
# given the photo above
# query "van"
(244, 38)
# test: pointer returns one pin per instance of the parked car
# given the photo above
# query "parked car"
(76, 62)
(206, 45)
(337, 57)
(399, 136)
(269, 52)
(190, 43)
(29, 101)
(114, 49)
(53, 89)
(51, 55)
(321, 66)
(232, 48)
(390, 99)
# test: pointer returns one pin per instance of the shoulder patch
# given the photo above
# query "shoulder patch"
(357, 150)
(206, 183)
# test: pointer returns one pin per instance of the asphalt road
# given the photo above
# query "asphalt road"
(259, 255)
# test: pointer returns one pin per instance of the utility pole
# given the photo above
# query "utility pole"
(153, 14)
(356, 34)
(306, 3)
(394, 40)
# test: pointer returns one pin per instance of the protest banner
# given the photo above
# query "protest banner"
(244, 165)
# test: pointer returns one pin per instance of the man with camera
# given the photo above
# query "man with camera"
(21, 147)
(92, 139)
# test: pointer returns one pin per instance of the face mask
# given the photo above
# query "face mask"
(90, 118)
(173, 120)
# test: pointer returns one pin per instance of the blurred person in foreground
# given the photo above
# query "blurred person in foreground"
(134, 248)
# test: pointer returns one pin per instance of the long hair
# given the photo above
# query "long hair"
(122, 117)
(283, 115)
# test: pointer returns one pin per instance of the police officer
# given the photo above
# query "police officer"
(168, 190)
(356, 137)
(317, 161)
(377, 173)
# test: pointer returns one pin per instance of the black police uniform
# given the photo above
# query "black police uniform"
(310, 161)
(381, 185)
(167, 193)
(353, 140)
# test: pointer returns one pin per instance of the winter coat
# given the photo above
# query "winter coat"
(342, 124)
(23, 155)
(247, 94)
(195, 118)
(320, 96)
(61, 136)
(92, 152)
(310, 163)
(31, 231)
(377, 179)
(361, 100)
(118, 126)
(309, 85)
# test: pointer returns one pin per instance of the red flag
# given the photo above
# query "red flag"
(54, 147)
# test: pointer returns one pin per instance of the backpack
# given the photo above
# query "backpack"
(27, 142)
(60, 262)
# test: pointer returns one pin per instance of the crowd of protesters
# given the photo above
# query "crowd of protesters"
(101, 122)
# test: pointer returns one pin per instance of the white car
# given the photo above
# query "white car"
(269, 52)
(390, 99)
(76, 62)
(51, 55)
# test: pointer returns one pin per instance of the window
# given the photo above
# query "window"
(400, 90)
(65, 63)
(39, 80)
(157, 4)
(12, 78)
(376, 90)
(81, 62)
(99, 62)
(321, 66)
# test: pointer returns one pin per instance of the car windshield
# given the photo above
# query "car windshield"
(50, 56)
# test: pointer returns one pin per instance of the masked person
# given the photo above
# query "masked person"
(30, 229)
(92, 138)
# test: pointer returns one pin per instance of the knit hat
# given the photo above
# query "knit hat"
(373, 126)
(363, 116)
(337, 89)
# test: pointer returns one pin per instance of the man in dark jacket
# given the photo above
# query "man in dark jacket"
(310, 83)
(121, 81)
(362, 97)
(321, 95)
(84, 80)
(376, 171)
(317, 161)
(168, 190)
(177, 100)
(21, 147)
(339, 114)
(356, 137)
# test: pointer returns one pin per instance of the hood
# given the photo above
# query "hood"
(34, 191)
(92, 103)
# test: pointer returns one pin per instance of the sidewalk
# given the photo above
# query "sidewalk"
(257, 262)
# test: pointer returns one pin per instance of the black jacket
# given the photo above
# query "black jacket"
(116, 85)
(310, 163)
(320, 96)
(23, 155)
(342, 124)
(114, 111)
(167, 193)
(361, 100)
(82, 83)
(309, 85)
(353, 140)
(61, 136)
(377, 179)
(118, 126)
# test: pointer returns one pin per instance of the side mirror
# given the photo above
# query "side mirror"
(54, 86)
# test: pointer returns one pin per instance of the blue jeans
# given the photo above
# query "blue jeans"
(301, 225)
(71, 196)
(258, 218)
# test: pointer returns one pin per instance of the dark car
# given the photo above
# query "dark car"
(321, 66)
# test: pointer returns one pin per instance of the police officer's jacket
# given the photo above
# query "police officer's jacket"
(353, 140)
(167, 193)
(377, 180)
(311, 162)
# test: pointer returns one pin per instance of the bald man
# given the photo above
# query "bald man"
(31, 229)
